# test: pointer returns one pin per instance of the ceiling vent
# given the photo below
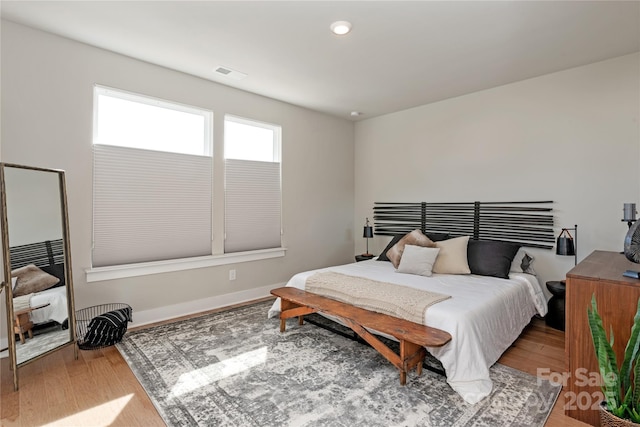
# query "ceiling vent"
(228, 72)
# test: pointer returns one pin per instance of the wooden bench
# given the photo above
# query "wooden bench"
(413, 337)
(22, 323)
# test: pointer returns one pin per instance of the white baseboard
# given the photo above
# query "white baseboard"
(146, 317)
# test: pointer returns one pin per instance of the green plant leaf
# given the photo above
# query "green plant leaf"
(633, 415)
(630, 352)
(606, 358)
(635, 400)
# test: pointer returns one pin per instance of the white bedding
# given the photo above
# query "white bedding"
(57, 308)
(484, 316)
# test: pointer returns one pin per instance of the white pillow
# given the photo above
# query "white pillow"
(414, 238)
(417, 260)
(452, 258)
(14, 281)
(523, 263)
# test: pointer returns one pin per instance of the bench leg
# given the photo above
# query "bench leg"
(411, 355)
(289, 309)
(284, 307)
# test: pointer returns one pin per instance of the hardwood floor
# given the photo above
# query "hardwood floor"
(540, 346)
(99, 389)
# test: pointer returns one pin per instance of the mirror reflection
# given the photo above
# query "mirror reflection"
(40, 293)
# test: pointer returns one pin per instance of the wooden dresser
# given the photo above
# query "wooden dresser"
(617, 297)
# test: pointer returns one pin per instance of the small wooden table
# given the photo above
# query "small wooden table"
(22, 323)
(413, 337)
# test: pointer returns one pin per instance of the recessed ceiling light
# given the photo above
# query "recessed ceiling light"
(356, 114)
(341, 27)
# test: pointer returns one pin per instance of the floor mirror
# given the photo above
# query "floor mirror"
(38, 283)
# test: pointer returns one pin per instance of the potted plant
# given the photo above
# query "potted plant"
(622, 395)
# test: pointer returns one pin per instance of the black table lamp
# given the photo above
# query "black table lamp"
(629, 213)
(567, 245)
(367, 234)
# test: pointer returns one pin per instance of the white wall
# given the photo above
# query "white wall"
(572, 137)
(47, 104)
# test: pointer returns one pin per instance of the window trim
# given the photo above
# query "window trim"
(207, 152)
(277, 159)
(156, 102)
(100, 274)
(276, 129)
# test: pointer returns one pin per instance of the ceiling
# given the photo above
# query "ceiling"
(398, 55)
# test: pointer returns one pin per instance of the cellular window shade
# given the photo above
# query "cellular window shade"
(149, 205)
(252, 205)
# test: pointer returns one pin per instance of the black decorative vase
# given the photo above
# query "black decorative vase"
(632, 243)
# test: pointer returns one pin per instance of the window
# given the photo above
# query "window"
(252, 185)
(152, 179)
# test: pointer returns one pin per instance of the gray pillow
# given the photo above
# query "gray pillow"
(523, 263)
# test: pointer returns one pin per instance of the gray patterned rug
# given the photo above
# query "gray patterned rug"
(43, 340)
(235, 368)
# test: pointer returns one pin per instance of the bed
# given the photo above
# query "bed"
(42, 264)
(484, 315)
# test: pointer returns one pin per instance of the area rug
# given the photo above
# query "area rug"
(42, 341)
(235, 368)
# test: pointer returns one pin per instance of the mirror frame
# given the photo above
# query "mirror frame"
(6, 260)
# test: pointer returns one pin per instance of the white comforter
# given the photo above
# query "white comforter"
(484, 316)
(56, 310)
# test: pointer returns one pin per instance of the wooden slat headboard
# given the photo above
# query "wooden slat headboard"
(527, 223)
(42, 254)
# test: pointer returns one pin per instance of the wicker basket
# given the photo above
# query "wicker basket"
(607, 419)
(84, 317)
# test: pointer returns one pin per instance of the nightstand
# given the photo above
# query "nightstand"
(363, 257)
(555, 315)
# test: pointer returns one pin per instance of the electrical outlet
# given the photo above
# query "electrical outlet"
(232, 275)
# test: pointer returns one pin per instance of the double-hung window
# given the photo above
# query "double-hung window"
(252, 185)
(152, 183)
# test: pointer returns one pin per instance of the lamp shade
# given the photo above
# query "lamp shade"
(565, 244)
(629, 212)
(368, 232)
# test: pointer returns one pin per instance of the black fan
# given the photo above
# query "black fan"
(632, 243)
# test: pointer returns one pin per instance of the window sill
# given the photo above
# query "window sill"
(99, 274)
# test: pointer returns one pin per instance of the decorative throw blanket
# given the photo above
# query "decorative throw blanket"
(21, 302)
(387, 298)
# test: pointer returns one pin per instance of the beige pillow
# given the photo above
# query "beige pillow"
(452, 258)
(32, 279)
(417, 260)
(414, 238)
